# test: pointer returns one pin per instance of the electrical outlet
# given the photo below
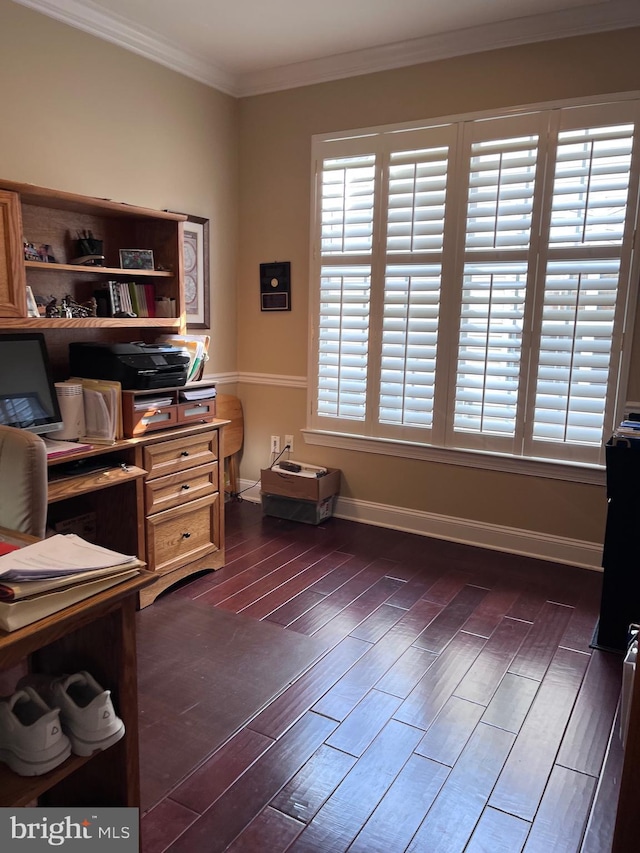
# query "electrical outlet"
(275, 444)
(288, 441)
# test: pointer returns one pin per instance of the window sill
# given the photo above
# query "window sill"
(550, 469)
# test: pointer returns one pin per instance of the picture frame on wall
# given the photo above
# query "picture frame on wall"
(196, 271)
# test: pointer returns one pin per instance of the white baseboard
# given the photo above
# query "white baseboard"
(528, 543)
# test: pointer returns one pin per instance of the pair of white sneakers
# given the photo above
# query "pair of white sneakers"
(49, 716)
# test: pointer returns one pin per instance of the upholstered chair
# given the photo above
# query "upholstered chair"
(23, 481)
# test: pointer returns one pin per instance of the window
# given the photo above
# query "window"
(472, 280)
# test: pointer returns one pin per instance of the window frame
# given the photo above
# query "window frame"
(330, 431)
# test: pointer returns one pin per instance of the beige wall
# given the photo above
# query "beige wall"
(275, 134)
(82, 115)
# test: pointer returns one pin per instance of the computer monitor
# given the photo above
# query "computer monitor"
(28, 398)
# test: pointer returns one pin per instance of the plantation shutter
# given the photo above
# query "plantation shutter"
(585, 282)
(497, 240)
(473, 280)
(416, 211)
(346, 244)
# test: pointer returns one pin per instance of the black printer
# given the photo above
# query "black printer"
(137, 366)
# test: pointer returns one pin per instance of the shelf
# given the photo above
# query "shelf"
(38, 265)
(59, 200)
(171, 323)
(18, 644)
(19, 791)
(74, 484)
(53, 218)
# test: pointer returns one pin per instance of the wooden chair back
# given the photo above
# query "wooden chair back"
(229, 408)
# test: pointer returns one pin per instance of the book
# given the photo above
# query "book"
(17, 614)
(151, 300)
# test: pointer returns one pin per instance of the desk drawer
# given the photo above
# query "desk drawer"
(170, 457)
(148, 420)
(197, 411)
(184, 534)
(175, 489)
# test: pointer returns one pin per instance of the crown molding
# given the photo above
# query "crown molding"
(92, 19)
(599, 17)
(609, 15)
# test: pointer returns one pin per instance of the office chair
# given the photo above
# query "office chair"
(23, 481)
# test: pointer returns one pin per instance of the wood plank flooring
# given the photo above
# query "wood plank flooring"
(459, 706)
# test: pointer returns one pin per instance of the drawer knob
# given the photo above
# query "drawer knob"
(185, 486)
(186, 535)
(184, 453)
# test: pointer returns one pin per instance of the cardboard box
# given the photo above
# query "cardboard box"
(296, 498)
(308, 512)
(314, 489)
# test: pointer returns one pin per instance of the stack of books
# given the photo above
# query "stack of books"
(628, 429)
(130, 297)
(40, 579)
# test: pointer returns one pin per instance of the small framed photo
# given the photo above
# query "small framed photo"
(136, 259)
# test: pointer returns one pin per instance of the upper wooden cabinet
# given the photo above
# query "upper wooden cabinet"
(13, 301)
(47, 217)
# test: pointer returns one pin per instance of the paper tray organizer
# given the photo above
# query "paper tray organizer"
(147, 411)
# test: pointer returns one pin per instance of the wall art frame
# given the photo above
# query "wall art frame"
(196, 271)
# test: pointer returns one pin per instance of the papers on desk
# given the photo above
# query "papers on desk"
(207, 393)
(41, 579)
(56, 447)
(102, 410)
(144, 403)
(17, 590)
(197, 346)
(60, 555)
(26, 610)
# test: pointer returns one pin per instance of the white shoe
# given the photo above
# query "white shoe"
(31, 737)
(86, 710)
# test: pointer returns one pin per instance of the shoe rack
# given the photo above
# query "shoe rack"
(98, 635)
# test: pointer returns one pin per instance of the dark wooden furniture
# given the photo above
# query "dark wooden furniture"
(627, 825)
(620, 602)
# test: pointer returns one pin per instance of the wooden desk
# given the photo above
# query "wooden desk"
(158, 496)
(98, 635)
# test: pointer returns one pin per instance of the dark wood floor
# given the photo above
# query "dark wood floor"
(459, 706)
